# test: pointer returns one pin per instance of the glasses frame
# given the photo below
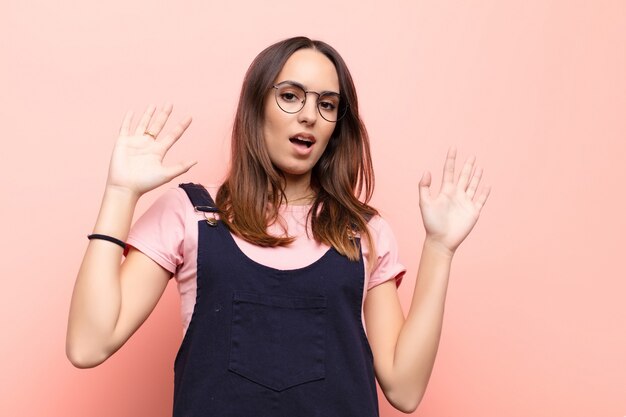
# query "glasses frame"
(342, 109)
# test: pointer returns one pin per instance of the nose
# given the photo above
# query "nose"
(308, 113)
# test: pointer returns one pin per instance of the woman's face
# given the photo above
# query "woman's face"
(296, 141)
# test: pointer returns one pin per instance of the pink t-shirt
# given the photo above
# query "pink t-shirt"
(168, 234)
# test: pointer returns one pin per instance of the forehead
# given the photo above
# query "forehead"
(312, 69)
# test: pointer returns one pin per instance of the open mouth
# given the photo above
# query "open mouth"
(301, 141)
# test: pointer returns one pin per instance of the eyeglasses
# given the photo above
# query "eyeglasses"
(291, 98)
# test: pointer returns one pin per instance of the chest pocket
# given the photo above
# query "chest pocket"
(278, 341)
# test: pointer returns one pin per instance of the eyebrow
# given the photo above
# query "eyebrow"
(304, 88)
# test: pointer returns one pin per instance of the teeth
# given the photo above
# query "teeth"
(307, 142)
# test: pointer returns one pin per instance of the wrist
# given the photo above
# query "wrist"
(433, 245)
(116, 212)
(121, 194)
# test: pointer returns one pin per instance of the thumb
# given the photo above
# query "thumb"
(424, 187)
(178, 169)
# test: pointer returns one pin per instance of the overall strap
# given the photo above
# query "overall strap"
(200, 197)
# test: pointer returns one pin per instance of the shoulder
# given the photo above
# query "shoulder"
(172, 198)
(380, 228)
(175, 197)
(385, 264)
(167, 214)
(159, 232)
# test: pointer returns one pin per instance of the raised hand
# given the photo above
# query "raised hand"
(450, 216)
(137, 159)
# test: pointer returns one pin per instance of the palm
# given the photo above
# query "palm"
(137, 159)
(137, 162)
(450, 216)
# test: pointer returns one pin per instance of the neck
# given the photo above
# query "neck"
(298, 189)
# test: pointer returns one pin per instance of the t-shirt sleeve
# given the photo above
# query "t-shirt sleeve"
(387, 264)
(159, 233)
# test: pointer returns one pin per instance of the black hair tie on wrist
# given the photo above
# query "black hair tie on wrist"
(109, 238)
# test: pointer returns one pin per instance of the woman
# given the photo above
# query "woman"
(273, 274)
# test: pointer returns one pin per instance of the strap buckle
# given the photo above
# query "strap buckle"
(208, 211)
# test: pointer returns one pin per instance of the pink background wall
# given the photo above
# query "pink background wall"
(536, 313)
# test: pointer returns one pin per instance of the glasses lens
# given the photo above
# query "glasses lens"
(329, 106)
(290, 98)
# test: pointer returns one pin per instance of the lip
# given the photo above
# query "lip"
(303, 151)
(304, 135)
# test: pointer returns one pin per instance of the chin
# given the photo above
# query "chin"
(296, 172)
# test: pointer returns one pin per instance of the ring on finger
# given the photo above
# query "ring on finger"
(152, 135)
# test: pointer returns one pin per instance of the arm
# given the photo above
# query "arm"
(110, 301)
(405, 349)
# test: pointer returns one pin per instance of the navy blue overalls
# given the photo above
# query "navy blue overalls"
(264, 342)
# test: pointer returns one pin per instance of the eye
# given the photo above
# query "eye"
(326, 105)
(328, 102)
(288, 93)
(288, 96)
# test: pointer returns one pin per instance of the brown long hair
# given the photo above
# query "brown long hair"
(343, 178)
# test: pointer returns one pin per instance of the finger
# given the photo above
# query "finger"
(424, 186)
(145, 120)
(482, 198)
(466, 173)
(473, 185)
(159, 121)
(125, 128)
(448, 168)
(173, 135)
(178, 169)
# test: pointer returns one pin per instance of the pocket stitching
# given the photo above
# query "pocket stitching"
(314, 338)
